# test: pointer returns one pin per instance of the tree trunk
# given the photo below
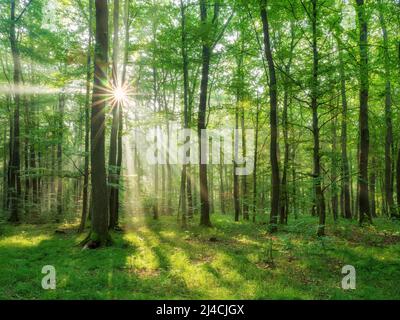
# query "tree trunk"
(389, 150)
(334, 163)
(99, 232)
(206, 59)
(5, 147)
(221, 181)
(320, 202)
(345, 162)
(245, 206)
(364, 130)
(372, 187)
(14, 181)
(273, 121)
(61, 103)
(120, 118)
(236, 191)
(398, 154)
(87, 123)
(255, 161)
(112, 160)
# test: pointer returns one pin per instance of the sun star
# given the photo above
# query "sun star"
(120, 95)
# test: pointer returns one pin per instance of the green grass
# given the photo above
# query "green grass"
(158, 260)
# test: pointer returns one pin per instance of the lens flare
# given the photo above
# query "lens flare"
(120, 94)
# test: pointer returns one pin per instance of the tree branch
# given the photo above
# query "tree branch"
(23, 11)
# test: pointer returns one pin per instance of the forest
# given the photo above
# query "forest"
(199, 149)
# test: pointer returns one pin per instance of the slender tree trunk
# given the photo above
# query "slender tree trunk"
(87, 123)
(389, 150)
(255, 161)
(345, 162)
(245, 206)
(334, 186)
(221, 182)
(120, 118)
(320, 202)
(364, 130)
(206, 59)
(398, 153)
(112, 160)
(61, 103)
(294, 186)
(372, 187)
(32, 163)
(273, 120)
(5, 167)
(27, 173)
(14, 182)
(284, 204)
(155, 93)
(236, 191)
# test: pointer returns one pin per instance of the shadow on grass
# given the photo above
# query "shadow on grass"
(158, 260)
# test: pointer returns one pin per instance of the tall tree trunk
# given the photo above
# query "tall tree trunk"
(389, 150)
(372, 187)
(87, 123)
(345, 161)
(245, 205)
(319, 195)
(5, 168)
(27, 173)
(120, 117)
(61, 103)
(284, 204)
(255, 163)
(364, 130)
(294, 185)
(273, 120)
(221, 181)
(201, 125)
(236, 191)
(99, 232)
(112, 160)
(398, 154)
(156, 143)
(14, 181)
(32, 163)
(334, 163)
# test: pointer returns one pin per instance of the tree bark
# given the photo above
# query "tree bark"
(345, 162)
(364, 210)
(320, 202)
(372, 187)
(14, 181)
(61, 103)
(273, 120)
(87, 123)
(201, 125)
(334, 163)
(389, 149)
(185, 69)
(256, 160)
(99, 233)
(112, 161)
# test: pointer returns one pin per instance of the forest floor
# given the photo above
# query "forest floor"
(159, 260)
